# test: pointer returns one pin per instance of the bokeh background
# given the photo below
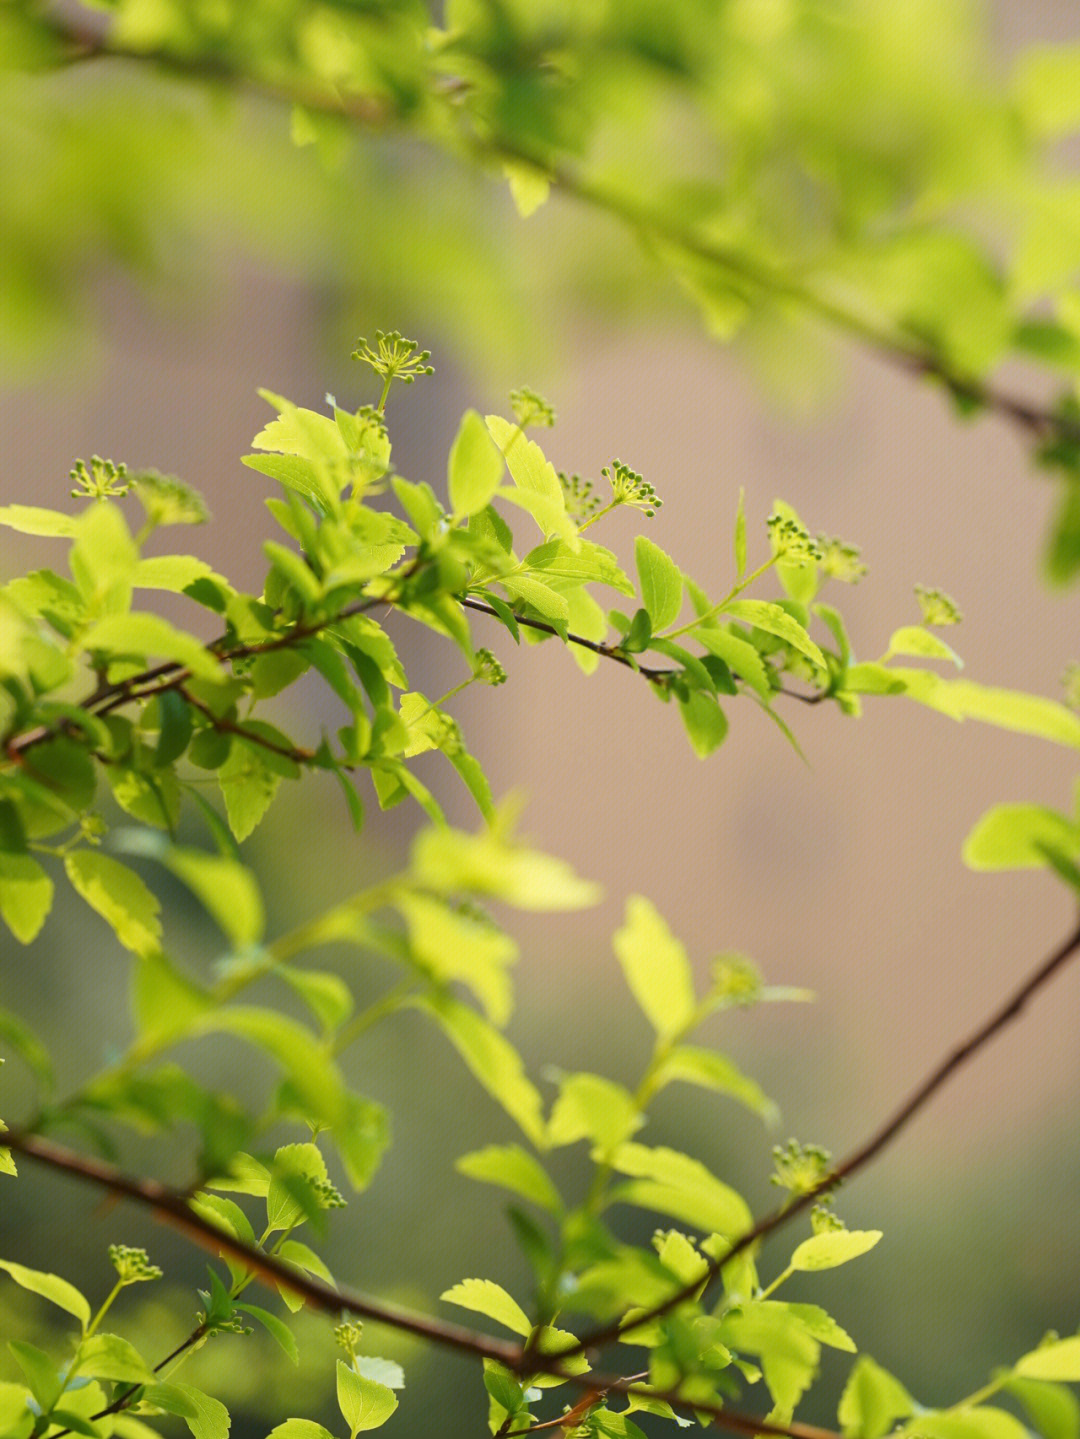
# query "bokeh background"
(843, 875)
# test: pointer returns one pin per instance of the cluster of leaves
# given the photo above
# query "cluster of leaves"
(96, 695)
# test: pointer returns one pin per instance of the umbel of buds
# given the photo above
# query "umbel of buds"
(937, 607)
(628, 488)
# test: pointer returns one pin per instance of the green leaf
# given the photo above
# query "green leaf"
(673, 1183)
(538, 485)
(26, 894)
(914, 640)
(548, 603)
(475, 466)
(1053, 1409)
(119, 896)
(364, 1403)
(872, 1401)
(384, 1371)
(789, 1354)
(513, 1168)
(493, 1060)
(704, 721)
(713, 1071)
(227, 890)
(107, 1356)
(450, 862)
(17, 1419)
(964, 699)
(484, 1296)
(288, 1203)
(739, 655)
(661, 583)
(529, 186)
(31, 520)
(567, 568)
(40, 1370)
(775, 620)
(19, 1037)
(594, 1108)
(144, 637)
(1058, 1360)
(174, 573)
(167, 1004)
(249, 781)
(51, 1287)
(207, 1418)
(454, 946)
(361, 1137)
(656, 967)
(974, 1422)
(1017, 836)
(299, 1429)
(833, 1247)
(314, 1075)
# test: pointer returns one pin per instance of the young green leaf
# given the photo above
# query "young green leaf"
(740, 536)
(51, 1287)
(144, 637)
(299, 1429)
(833, 1247)
(364, 1403)
(41, 1372)
(207, 1418)
(1058, 1360)
(26, 894)
(675, 1184)
(119, 895)
(704, 721)
(513, 1168)
(484, 1296)
(661, 583)
(656, 967)
(593, 1108)
(475, 466)
(711, 1070)
(872, 1401)
(1017, 836)
(775, 620)
(493, 1060)
(108, 1356)
(274, 1327)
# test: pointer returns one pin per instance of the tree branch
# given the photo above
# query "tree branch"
(170, 1207)
(860, 1157)
(1041, 423)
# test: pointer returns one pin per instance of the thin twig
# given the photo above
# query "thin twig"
(859, 1157)
(170, 1207)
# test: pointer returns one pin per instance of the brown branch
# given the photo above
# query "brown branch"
(170, 1207)
(608, 652)
(860, 1157)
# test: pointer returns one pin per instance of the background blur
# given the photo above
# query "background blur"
(843, 875)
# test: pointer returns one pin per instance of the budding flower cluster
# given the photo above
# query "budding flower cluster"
(100, 480)
(937, 607)
(327, 1194)
(791, 542)
(132, 1265)
(169, 501)
(348, 1336)
(628, 488)
(736, 979)
(394, 357)
(488, 669)
(530, 408)
(840, 561)
(798, 1167)
(579, 496)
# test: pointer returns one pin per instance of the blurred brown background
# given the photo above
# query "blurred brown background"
(843, 875)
